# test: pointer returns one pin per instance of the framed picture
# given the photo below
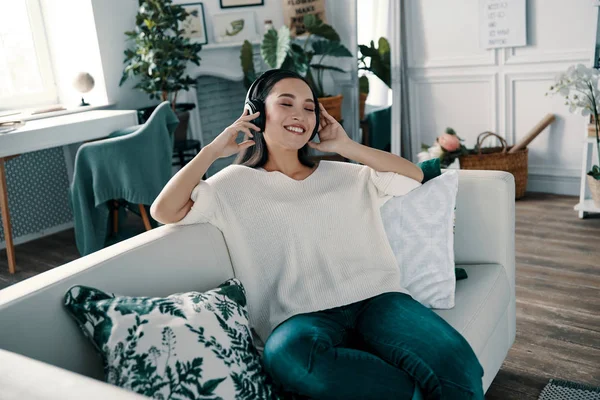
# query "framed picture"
(234, 27)
(195, 25)
(241, 3)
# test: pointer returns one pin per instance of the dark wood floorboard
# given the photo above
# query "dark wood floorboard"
(558, 293)
(558, 299)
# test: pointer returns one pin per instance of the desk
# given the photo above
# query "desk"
(51, 132)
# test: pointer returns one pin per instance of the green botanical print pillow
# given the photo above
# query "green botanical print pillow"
(185, 346)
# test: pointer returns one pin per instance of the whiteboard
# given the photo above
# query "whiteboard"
(503, 23)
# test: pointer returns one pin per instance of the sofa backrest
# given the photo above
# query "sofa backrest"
(166, 260)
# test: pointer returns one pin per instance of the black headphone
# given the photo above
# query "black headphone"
(253, 105)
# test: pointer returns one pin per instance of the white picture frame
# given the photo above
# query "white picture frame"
(234, 27)
(195, 27)
(502, 23)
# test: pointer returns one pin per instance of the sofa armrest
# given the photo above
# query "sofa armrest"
(485, 220)
(160, 262)
(485, 224)
(25, 378)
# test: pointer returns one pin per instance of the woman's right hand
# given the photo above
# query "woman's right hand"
(225, 144)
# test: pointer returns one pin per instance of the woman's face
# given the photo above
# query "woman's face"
(290, 111)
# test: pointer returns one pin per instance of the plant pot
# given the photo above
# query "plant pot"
(361, 104)
(594, 185)
(333, 105)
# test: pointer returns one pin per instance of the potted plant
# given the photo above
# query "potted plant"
(447, 148)
(379, 64)
(278, 50)
(579, 86)
(160, 55)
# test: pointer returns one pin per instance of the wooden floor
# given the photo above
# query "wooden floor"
(558, 299)
(558, 293)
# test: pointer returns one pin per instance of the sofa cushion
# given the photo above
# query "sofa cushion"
(187, 345)
(420, 230)
(480, 301)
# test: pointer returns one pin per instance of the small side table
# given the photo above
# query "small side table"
(586, 205)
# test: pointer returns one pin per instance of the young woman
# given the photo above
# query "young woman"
(307, 242)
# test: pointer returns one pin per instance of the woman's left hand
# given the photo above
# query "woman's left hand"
(331, 134)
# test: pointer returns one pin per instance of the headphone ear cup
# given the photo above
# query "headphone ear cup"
(254, 106)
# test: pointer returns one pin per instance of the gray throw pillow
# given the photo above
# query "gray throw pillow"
(420, 229)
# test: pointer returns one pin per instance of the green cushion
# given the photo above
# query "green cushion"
(431, 169)
(184, 346)
(460, 273)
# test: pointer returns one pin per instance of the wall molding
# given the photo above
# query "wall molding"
(541, 170)
(509, 94)
(487, 60)
(415, 81)
(545, 56)
(566, 185)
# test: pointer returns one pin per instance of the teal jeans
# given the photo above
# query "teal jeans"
(378, 348)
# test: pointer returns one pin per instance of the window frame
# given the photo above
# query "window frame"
(49, 93)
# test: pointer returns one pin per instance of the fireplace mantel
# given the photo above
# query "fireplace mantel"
(223, 60)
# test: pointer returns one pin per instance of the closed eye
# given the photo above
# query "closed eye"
(289, 105)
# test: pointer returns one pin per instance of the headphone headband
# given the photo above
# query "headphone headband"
(262, 77)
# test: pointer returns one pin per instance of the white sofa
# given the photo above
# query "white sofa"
(43, 354)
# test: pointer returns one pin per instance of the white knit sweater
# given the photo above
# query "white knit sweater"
(300, 246)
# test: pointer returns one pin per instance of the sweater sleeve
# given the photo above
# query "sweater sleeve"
(204, 209)
(389, 184)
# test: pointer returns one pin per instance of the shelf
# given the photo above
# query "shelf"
(591, 140)
(587, 206)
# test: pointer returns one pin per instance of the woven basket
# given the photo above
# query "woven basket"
(498, 159)
(594, 185)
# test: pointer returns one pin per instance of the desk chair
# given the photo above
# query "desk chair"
(130, 167)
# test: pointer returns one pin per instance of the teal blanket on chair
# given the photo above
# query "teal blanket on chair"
(132, 164)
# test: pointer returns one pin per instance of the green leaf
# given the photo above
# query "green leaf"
(297, 60)
(368, 51)
(209, 386)
(384, 47)
(315, 26)
(329, 48)
(363, 84)
(275, 46)
(246, 57)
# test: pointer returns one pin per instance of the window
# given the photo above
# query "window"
(26, 77)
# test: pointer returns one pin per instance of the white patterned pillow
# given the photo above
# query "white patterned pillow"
(185, 346)
(420, 229)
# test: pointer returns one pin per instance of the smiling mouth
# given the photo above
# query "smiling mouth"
(294, 129)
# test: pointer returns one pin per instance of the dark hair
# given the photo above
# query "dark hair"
(257, 155)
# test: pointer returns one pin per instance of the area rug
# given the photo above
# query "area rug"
(557, 389)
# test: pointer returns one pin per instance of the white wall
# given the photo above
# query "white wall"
(114, 17)
(455, 83)
(73, 46)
